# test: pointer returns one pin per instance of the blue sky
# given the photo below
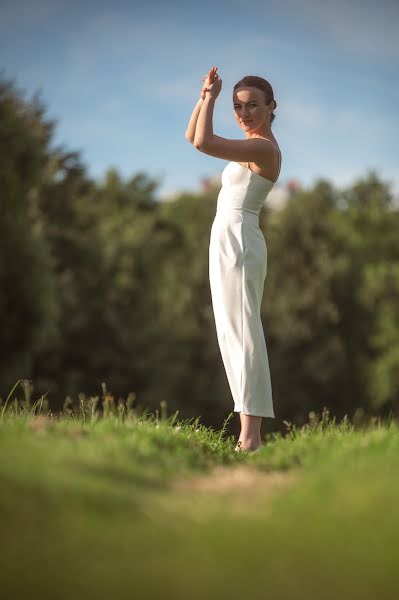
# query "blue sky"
(122, 78)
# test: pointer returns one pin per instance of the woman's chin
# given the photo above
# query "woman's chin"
(246, 128)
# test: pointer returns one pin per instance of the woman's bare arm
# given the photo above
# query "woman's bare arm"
(208, 79)
(256, 150)
(204, 130)
(190, 133)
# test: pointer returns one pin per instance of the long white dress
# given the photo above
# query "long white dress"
(237, 273)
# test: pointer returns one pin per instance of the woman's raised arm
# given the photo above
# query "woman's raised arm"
(190, 133)
(208, 79)
(256, 150)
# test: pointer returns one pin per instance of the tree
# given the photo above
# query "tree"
(27, 307)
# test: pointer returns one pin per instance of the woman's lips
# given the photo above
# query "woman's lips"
(245, 122)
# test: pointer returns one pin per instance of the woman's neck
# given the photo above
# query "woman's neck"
(264, 132)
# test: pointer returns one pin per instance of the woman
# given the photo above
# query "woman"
(237, 250)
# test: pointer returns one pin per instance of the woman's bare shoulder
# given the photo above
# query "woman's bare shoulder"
(269, 166)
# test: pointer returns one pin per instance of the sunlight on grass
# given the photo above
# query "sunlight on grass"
(102, 499)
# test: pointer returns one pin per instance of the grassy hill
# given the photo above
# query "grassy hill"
(138, 507)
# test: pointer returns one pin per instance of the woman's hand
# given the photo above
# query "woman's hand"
(208, 81)
(213, 90)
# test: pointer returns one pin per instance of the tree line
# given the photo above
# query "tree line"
(102, 282)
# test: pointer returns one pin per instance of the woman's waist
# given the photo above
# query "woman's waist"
(240, 202)
(235, 214)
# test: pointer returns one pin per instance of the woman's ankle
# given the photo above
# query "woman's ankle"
(250, 443)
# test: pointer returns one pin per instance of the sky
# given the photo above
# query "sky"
(122, 78)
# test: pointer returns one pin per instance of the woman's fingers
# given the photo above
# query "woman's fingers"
(212, 74)
(210, 77)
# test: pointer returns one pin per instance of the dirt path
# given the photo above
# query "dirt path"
(230, 490)
(223, 479)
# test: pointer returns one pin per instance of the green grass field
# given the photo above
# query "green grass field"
(129, 506)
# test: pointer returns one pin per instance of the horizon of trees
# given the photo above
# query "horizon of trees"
(101, 282)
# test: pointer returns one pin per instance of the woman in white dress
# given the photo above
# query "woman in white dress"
(237, 249)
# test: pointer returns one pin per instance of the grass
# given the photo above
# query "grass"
(142, 506)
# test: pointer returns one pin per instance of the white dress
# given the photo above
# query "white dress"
(237, 273)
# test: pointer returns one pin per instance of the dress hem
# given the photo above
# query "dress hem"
(269, 416)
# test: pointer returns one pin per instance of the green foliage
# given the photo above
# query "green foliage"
(28, 311)
(321, 322)
(101, 282)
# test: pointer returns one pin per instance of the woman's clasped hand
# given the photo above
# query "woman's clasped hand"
(212, 84)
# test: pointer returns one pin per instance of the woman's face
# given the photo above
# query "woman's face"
(250, 110)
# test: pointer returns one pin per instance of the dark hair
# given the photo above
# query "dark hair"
(261, 84)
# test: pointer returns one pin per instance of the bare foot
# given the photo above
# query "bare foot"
(247, 446)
